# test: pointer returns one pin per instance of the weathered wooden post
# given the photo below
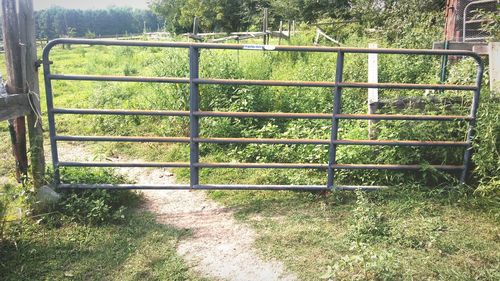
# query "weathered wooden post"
(494, 57)
(265, 26)
(31, 88)
(15, 83)
(22, 88)
(280, 32)
(289, 30)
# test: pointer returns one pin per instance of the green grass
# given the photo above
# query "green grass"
(406, 233)
(87, 235)
(400, 234)
(138, 249)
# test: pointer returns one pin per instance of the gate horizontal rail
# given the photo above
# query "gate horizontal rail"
(195, 114)
(261, 114)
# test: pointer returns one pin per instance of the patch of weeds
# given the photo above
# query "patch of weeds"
(365, 263)
(92, 206)
(6, 197)
(367, 224)
(425, 236)
(14, 200)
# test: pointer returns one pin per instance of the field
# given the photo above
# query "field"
(426, 227)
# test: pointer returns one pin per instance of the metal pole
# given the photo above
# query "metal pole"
(194, 153)
(50, 116)
(337, 95)
(444, 63)
(472, 122)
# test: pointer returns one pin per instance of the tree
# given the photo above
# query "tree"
(56, 22)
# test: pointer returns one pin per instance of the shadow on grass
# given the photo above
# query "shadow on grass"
(138, 249)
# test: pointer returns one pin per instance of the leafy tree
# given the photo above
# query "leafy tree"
(237, 15)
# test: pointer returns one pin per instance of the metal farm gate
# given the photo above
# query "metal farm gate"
(195, 114)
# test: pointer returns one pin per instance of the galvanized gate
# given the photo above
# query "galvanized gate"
(195, 114)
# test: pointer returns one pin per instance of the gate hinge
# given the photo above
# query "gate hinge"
(39, 63)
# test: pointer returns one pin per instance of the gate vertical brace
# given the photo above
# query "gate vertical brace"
(337, 100)
(472, 122)
(50, 116)
(194, 127)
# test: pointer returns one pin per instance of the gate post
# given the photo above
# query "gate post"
(15, 84)
(31, 88)
(337, 99)
(194, 104)
(472, 122)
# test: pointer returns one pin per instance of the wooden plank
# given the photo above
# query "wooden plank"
(320, 31)
(14, 106)
(480, 49)
(467, 46)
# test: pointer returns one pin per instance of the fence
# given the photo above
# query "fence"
(195, 114)
(472, 21)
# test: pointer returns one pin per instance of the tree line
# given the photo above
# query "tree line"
(241, 15)
(59, 22)
(227, 15)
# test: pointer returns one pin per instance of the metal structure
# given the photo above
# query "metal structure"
(195, 114)
(471, 24)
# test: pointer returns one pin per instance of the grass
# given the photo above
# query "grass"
(88, 235)
(403, 234)
(138, 249)
(406, 233)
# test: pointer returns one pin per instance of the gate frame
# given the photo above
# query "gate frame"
(194, 115)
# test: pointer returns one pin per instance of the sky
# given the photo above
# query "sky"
(88, 4)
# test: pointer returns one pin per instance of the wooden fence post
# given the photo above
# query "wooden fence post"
(494, 58)
(281, 32)
(265, 27)
(372, 92)
(289, 30)
(15, 83)
(31, 88)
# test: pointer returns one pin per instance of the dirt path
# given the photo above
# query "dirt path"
(220, 247)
